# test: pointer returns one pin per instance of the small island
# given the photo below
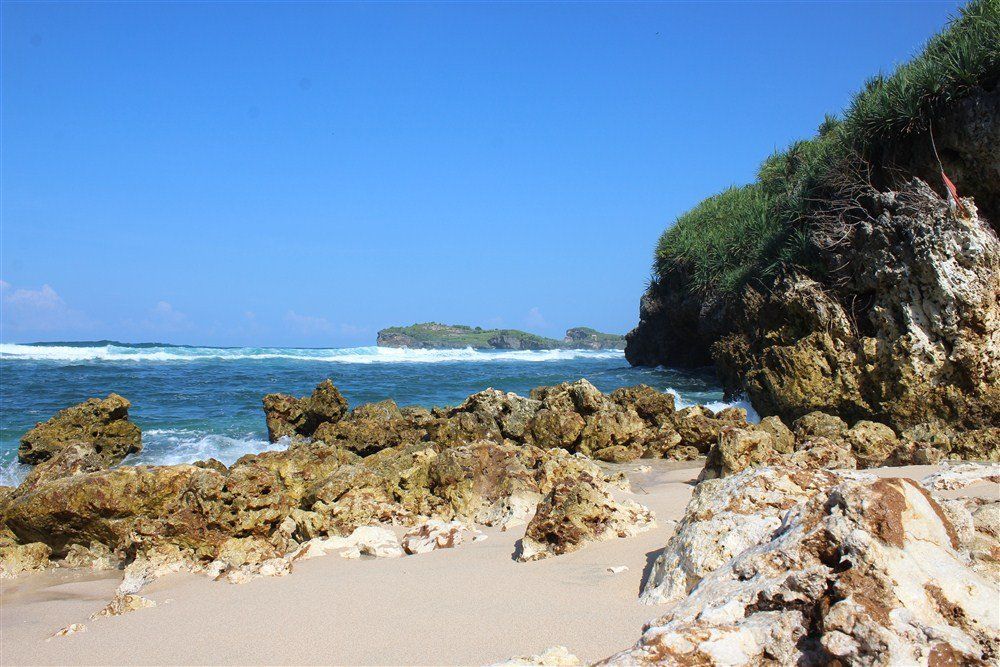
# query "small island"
(432, 335)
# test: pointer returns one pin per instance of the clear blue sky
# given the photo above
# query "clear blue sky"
(305, 174)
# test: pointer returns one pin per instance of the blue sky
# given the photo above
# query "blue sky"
(305, 174)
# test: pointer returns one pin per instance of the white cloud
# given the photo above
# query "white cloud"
(38, 310)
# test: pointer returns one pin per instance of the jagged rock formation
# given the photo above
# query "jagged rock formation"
(376, 465)
(100, 423)
(796, 566)
(905, 330)
(288, 416)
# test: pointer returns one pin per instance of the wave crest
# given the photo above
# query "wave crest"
(347, 355)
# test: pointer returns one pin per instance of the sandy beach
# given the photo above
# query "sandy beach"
(469, 605)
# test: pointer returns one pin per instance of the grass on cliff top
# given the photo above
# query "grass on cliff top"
(466, 336)
(748, 233)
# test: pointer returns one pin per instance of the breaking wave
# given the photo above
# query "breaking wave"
(348, 355)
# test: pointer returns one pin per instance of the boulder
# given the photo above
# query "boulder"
(612, 426)
(18, 558)
(556, 428)
(580, 396)
(554, 656)
(839, 575)
(781, 436)
(434, 534)
(961, 475)
(739, 449)
(100, 423)
(724, 518)
(819, 452)
(698, 427)
(819, 424)
(653, 406)
(663, 443)
(114, 507)
(576, 511)
(872, 443)
(73, 459)
(369, 428)
(981, 444)
(288, 416)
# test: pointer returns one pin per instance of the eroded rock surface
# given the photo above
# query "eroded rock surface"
(361, 471)
(901, 328)
(834, 568)
(287, 416)
(100, 423)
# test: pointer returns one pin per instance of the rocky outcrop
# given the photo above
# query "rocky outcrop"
(576, 511)
(362, 470)
(791, 566)
(288, 416)
(100, 423)
(902, 328)
(818, 439)
(16, 559)
(435, 534)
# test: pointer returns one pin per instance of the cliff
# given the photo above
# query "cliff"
(846, 279)
(432, 335)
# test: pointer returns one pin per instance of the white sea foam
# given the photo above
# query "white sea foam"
(681, 403)
(171, 446)
(348, 355)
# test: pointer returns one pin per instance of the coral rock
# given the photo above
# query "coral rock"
(844, 576)
(102, 423)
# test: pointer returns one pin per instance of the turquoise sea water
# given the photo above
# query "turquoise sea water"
(196, 402)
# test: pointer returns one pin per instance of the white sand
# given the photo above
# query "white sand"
(469, 605)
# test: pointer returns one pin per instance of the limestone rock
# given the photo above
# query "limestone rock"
(820, 452)
(652, 405)
(555, 656)
(102, 423)
(18, 558)
(724, 518)
(739, 449)
(434, 534)
(95, 557)
(961, 475)
(123, 604)
(577, 511)
(981, 444)
(842, 577)
(377, 541)
(699, 427)
(113, 506)
(781, 436)
(819, 424)
(287, 416)
(872, 443)
(70, 629)
(556, 428)
(73, 459)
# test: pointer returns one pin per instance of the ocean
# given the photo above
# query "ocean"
(197, 402)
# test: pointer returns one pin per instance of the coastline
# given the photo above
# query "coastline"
(469, 605)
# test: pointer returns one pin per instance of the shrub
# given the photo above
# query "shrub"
(749, 233)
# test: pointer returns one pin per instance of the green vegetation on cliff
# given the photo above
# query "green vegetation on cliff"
(450, 336)
(747, 233)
